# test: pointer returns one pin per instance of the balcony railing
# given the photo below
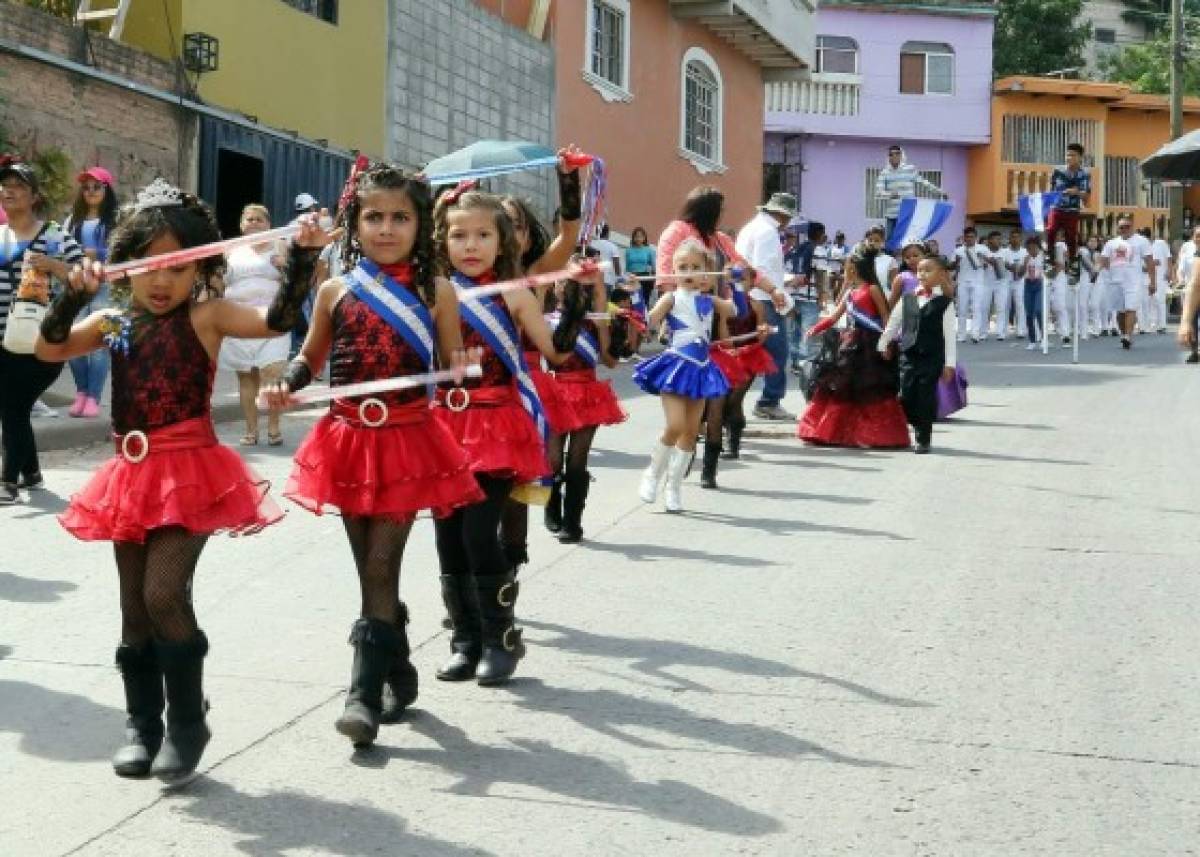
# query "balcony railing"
(1021, 179)
(825, 96)
(777, 34)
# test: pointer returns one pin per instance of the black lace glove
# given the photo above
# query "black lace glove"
(297, 375)
(286, 310)
(56, 326)
(570, 196)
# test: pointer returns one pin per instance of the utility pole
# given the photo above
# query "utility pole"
(1175, 220)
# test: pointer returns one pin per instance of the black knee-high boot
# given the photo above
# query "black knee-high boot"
(708, 475)
(553, 516)
(400, 687)
(375, 646)
(143, 680)
(187, 732)
(458, 594)
(502, 646)
(577, 483)
(735, 425)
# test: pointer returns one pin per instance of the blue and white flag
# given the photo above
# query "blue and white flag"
(1035, 208)
(918, 220)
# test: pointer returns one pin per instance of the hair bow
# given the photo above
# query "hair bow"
(361, 163)
(453, 195)
(7, 160)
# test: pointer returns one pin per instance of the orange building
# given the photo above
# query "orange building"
(1033, 121)
(669, 92)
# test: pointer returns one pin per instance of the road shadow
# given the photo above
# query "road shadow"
(31, 590)
(653, 658)
(40, 504)
(620, 716)
(788, 526)
(997, 456)
(967, 421)
(618, 460)
(281, 823)
(62, 727)
(769, 494)
(645, 552)
(539, 764)
(5, 651)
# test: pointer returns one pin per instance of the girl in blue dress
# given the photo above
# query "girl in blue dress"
(683, 376)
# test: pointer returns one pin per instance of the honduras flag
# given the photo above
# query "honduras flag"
(918, 219)
(1035, 208)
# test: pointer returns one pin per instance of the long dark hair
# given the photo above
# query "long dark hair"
(864, 265)
(390, 177)
(633, 236)
(573, 308)
(703, 208)
(108, 212)
(539, 238)
(476, 200)
(192, 223)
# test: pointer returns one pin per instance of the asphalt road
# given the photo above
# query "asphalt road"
(986, 651)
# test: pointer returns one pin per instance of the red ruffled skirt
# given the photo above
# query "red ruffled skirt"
(496, 433)
(592, 402)
(175, 476)
(740, 364)
(407, 463)
(558, 413)
(831, 421)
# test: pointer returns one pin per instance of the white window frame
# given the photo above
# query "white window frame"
(609, 91)
(704, 164)
(927, 54)
(821, 70)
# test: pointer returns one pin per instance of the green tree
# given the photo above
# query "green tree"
(1147, 68)
(1039, 36)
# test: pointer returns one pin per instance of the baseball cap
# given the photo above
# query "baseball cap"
(305, 201)
(99, 174)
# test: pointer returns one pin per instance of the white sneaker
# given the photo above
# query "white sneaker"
(652, 476)
(41, 409)
(1031, 346)
(962, 337)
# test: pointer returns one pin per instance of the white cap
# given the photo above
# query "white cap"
(305, 201)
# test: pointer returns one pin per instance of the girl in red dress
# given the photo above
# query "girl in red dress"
(500, 424)
(171, 485)
(591, 402)
(379, 460)
(855, 400)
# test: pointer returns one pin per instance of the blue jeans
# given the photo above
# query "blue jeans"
(775, 386)
(805, 316)
(1033, 309)
(91, 370)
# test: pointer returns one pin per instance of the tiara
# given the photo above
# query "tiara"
(158, 194)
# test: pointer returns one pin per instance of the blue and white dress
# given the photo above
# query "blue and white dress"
(685, 368)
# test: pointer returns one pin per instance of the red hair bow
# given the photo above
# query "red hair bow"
(361, 163)
(453, 195)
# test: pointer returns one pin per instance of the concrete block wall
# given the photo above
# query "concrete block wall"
(460, 74)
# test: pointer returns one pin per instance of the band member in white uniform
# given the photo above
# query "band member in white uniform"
(969, 262)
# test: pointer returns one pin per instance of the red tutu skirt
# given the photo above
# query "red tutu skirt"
(739, 364)
(592, 402)
(176, 476)
(730, 367)
(496, 433)
(558, 413)
(407, 463)
(831, 421)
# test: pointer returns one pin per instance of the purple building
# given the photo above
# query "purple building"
(915, 73)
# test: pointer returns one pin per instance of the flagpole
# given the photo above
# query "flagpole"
(1075, 325)
(1045, 308)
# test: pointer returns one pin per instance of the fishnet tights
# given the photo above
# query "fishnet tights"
(577, 446)
(378, 547)
(156, 585)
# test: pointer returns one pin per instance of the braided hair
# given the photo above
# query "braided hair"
(509, 256)
(192, 223)
(383, 176)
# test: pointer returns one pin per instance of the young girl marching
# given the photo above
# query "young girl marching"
(684, 376)
(171, 484)
(923, 329)
(380, 460)
(499, 421)
(591, 403)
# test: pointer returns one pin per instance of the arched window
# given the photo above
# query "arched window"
(701, 135)
(926, 68)
(837, 55)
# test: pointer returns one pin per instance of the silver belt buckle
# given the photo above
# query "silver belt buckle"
(365, 406)
(140, 437)
(458, 404)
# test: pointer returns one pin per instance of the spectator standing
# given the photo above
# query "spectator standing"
(610, 253)
(898, 181)
(639, 261)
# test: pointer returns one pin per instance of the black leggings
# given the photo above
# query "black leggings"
(156, 585)
(378, 547)
(22, 379)
(468, 541)
(570, 451)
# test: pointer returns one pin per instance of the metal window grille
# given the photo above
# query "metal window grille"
(608, 43)
(326, 10)
(1044, 139)
(700, 111)
(1158, 196)
(877, 208)
(1121, 181)
(837, 55)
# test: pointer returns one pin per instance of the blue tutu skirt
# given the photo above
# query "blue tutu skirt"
(670, 373)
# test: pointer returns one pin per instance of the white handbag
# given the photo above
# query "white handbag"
(24, 322)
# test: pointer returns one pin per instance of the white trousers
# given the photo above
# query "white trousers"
(966, 296)
(1016, 289)
(1060, 298)
(1153, 312)
(985, 296)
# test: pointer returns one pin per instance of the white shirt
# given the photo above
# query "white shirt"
(758, 243)
(991, 278)
(1183, 266)
(895, 327)
(1086, 266)
(1126, 259)
(1033, 267)
(608, 252)
(886, 269)
(1161, 251)
(970, 273)
(1013, 259)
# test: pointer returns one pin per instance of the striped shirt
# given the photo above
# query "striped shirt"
(897, 183)
(50, 241)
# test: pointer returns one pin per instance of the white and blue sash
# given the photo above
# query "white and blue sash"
(396, 305)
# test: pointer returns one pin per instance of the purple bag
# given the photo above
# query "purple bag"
(952, 394)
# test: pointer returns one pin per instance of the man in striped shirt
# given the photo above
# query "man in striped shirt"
(898, 181)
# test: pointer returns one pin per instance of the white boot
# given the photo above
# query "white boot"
(653, 474)
(676, 467)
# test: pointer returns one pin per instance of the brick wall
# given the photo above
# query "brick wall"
(461, 74)
(135, 136)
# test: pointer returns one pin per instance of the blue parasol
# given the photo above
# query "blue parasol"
(488, 158)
